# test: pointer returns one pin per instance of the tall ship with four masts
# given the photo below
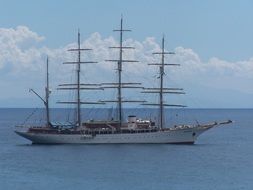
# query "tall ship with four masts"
(115, 131)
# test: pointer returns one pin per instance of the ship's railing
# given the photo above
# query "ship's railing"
(22, 127)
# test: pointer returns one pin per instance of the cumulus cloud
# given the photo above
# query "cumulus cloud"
(17, 49)
(23, 58)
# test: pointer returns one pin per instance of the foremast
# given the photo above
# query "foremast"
(162, 90)
(78, 86)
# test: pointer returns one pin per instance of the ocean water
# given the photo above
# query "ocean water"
(222, 158)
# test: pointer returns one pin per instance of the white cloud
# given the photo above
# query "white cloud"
(17, 49)
(22, 58)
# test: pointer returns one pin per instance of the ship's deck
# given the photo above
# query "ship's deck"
(88, 131)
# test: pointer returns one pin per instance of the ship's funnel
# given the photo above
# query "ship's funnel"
(132, 119)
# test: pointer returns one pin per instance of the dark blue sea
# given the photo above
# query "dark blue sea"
(221, 159)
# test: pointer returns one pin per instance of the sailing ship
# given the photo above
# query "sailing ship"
(115, 131)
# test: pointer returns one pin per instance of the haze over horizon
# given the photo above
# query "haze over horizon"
(212, 41)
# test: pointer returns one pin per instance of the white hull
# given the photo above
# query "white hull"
(175, 136)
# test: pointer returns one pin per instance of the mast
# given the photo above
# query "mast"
(161, 90)
(78, 81)
(119, 73)
(78, 86)
(47, 93)
(161, 86)
(119, 85)
(47, 96)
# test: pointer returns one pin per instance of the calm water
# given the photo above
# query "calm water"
(222, 158)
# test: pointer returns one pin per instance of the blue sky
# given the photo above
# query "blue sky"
(221, 28)
(218, 32)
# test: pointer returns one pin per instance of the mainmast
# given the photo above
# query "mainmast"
(119, 72)
(119, 85)
(78, 86)
(161, 90)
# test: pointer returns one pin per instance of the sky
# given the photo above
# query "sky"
(212, 40)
